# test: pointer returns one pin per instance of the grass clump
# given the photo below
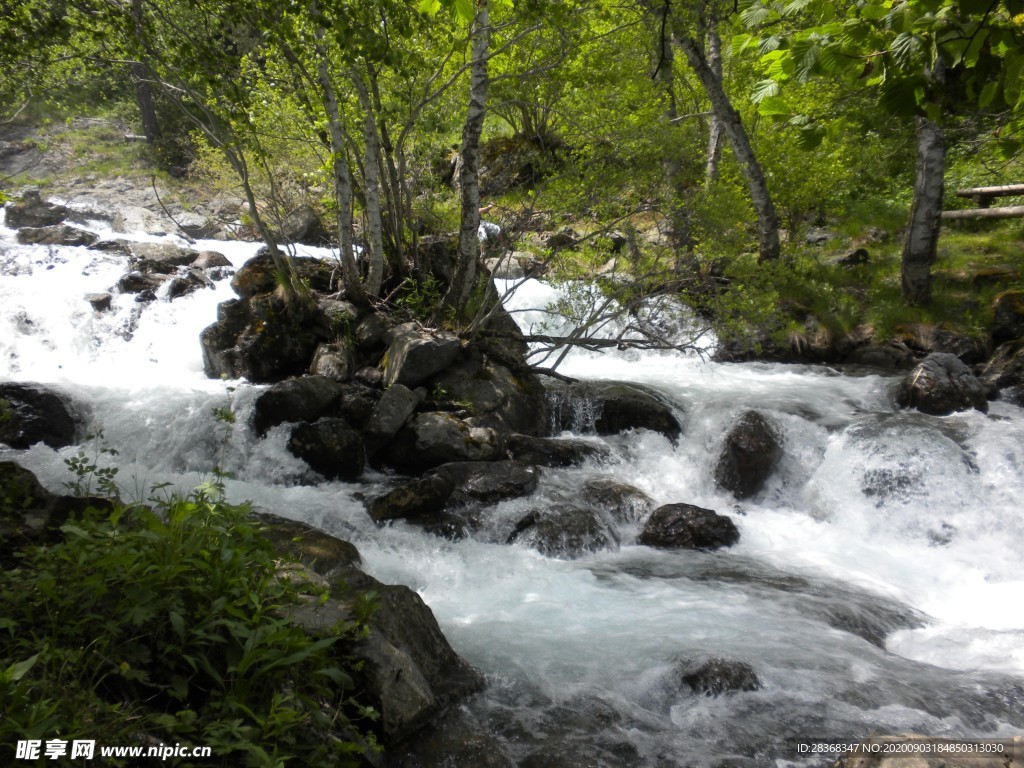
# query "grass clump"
(169, 624)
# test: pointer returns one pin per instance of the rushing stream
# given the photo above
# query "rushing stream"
(877, 585)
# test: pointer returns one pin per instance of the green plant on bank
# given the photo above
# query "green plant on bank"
(169, 624)
(87, 470)
(420, 297)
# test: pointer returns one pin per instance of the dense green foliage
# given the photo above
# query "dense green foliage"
(168, 624)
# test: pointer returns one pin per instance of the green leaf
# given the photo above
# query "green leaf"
(873, 12)
(773, 106)
(764, 89)
(464, 9)
(988, 94)
(19, 669)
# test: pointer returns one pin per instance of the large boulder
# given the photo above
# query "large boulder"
(621, 502)
(553, 452)
(331, 447)
(32, 413)
(160, 258)
(497, 396)
(1008, 316)
(335, 360)
(433, 438)
(565, 532)
(488, 481)
(610, 407)
(60, 234)
(1004, 373)
(415, 355)
(685, 526)
(32, 211)
(261, 339)
(305, 398)
(414, 500)
(750, 454)
(320, 552)
(303, 225)
(259, 275)
(940, 385)
(392, 411)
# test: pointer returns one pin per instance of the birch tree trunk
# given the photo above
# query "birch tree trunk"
(732, 127)
(371, 190)
(464, 276)
(141, 79)
(714, 43)
(921, 245)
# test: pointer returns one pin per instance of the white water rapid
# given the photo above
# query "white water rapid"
(877, 585)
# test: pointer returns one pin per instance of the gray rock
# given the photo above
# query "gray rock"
(622, 503)
(1007, 317)
(133, 218)
(60, 234)
(685, 526)
(303, 225)
(258, 274)
(415, 355)
(1004, 373)
(31, 211)
(750, 454)
(331, 447)
(301, 399)
(818, 236)
(609, 407)
(137, 282)
(334, 361)
(553, 452)
(100, 302)
(160, 258)
(455, 740)
(940, 385)
(424, 497)
(390, 414)
(369, 332)
(34, 413)
(715, 676)
(210, 260)
(322, 553)
(189, 282)
(431, 439)
(488, 481)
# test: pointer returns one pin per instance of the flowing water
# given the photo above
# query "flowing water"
(877, 585)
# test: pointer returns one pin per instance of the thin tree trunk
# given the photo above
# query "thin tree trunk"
(393, 189)
(464, 277)
(715, 126)
(371, 189)
(921, 245)
(767, 217)
(141, 78)
(342, 177)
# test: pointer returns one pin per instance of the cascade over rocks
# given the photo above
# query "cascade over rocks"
(609, 407)
(622, 503)
(940, 385)
(685, 526)
(33, 413)
(751, 452)
(553, 452)
(331, 447)
(32, 211)
(565, 532)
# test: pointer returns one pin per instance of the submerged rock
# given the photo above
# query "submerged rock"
(940, 385)
(414, 500)
(553, 452)
(565, 532)
(33, 413)
(489, 481)
(685, 526)
(751, 452)
(623, 503)
(713, 677)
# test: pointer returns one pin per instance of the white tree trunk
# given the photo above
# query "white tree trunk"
(714, 42)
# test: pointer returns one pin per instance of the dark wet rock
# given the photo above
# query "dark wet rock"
(1007, 317)
(137, 282)
(117, 247)
(409, 672)
(371, 377)
(565, 532)
(60, 234)
(940, 385)
(414, 355)
(685, 526)
(356, 406)
(713, 677)
(495, 395)
(301, 399)
(969, 349)
(489, 481)
(892, 356)
(455, 740)
(261, 339)
(189, 282)
(330, 446)
(420, 498)
(160, 258)
(432, 438)
(258, 274)
(1004, 373)
(210, 260)
(101, 302)
(303, 226)
(33, 413)
(369, 332)
(392, 411)
(564, 238)
(32, 211)
(322, 553)
(750, 454)
(622, 503)
(609, 407)
(553, 452)
(334, 361)
(342, 315)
